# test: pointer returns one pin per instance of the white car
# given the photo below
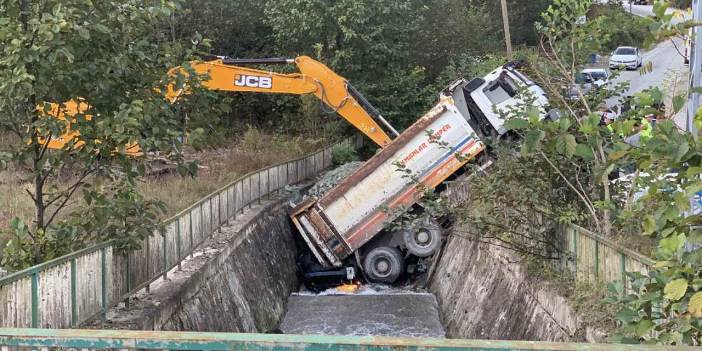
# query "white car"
(587, 80)
(626, 56)
(598, 76)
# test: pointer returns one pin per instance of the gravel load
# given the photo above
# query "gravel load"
(332, 178)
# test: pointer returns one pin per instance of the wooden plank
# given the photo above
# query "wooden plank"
(16, 303)
(55, 296)
(88, 279)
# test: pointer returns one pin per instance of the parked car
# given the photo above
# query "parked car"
(598, 76)
(587, 80)
(627, 56)
(640, 2)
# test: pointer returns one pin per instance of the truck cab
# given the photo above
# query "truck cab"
(482, 100)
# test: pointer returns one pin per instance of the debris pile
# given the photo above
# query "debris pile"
(332, 178)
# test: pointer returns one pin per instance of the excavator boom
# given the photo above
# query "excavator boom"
(228, 74)
(314, 78)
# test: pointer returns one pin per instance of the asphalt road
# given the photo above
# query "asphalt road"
(668, 68)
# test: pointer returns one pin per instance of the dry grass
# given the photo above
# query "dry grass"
(252, 151)
(222, 166)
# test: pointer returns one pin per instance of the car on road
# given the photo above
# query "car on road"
(587, 80)
(626, 56)
(598, 76)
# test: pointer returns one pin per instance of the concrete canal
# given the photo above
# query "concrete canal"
(245, 279)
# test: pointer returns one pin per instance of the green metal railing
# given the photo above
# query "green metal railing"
(71, 289)
(164, 340)
(594, 258)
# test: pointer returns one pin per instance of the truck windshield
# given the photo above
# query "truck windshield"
(521, 77)
(500, 90)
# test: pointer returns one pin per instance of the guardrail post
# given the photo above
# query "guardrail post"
(575, 251)
(165, 255)
(229, 203)
(128, 283)
(241, 195)
(74, 298)
(314, 161)
(268, 183)
(103, 279)
(250, 192)
(219, 212)
(178, 245)
(192, 248)
(258, 175)
(147, 288)
(202, 222)
(212, 228)
(597, 260)
(35, 299)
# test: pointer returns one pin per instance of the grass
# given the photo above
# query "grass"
(253, 150)
(586, 300)
(220, 166)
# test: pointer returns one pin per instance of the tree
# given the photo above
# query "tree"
(365, 41)
(112, 58)
(581, 157)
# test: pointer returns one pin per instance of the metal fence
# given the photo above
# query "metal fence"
(593, 258)
(69, 290)
(45, 339)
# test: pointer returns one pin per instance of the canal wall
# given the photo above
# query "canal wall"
(238, 281)
(485, 293)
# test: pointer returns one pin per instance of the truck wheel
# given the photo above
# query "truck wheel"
(424, 240)
(384, 264)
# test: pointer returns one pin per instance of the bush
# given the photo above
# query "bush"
(343, 153)
(622, 28)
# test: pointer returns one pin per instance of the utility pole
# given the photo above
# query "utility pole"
(505, 23)
(695, 62)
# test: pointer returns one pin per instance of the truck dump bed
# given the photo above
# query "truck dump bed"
(355, 210)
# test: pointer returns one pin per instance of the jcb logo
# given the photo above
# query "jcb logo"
(253, 81)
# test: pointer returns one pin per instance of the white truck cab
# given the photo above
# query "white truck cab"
(483, 98)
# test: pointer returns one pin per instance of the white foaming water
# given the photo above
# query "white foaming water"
(366, 289)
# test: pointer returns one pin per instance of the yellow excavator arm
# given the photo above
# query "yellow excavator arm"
(314, 78)
(228, 74)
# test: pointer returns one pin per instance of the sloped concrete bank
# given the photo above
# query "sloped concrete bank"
(238, 281)
(484, 293)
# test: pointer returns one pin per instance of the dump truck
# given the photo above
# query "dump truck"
(346, 227)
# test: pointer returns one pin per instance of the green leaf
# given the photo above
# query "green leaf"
(627, 315)
(675, 289)
(649, 224)
(615, 155)
(643, 327)
(532, 139)
(695, 305)
(672, 244)
(585, 152)
(564, 124)
(516, 123)
(678, 102)
(570, 145)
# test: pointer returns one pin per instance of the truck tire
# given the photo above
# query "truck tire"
(384, 264)
(424, 240)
